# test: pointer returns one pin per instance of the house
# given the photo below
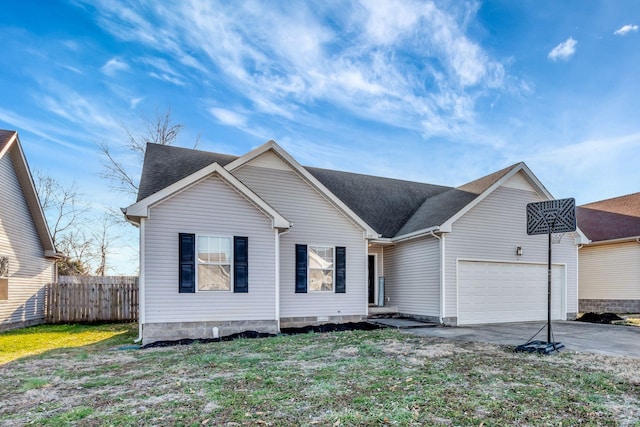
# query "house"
(27, 253)
(260, 242)
(610, 265)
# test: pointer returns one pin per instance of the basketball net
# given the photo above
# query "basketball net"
(556, 238)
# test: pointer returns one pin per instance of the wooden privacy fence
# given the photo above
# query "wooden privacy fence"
(92, 299)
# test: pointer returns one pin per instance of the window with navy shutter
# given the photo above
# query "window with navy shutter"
(301, 269)
(241, 264)
(187, 260)
(341, 269)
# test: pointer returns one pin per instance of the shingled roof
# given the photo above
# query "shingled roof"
(610, 219)
(392, 207)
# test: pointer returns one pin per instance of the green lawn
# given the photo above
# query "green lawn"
(383, 377)
(39, 339)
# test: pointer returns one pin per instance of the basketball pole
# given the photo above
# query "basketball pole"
(549, 292)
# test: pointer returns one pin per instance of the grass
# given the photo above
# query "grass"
(382, 377)
(39, 339)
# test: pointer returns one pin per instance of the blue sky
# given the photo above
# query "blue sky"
(439, 92)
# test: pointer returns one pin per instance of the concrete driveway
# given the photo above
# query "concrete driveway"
(576, 336)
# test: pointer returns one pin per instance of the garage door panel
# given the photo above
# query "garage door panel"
(493, 292)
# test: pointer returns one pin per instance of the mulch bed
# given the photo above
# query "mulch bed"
(605, 318)
(328, 327)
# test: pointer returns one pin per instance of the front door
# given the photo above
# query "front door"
(372, 279)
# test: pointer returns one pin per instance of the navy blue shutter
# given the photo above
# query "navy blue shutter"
(301, 269)
(240, 264)
(187, 261)
(341, 269)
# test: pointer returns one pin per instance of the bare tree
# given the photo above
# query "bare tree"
(79, 251)
(103, 239)
(61, 205)
(159, 131)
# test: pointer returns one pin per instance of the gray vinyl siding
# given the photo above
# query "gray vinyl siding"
(412, 276)
(491, 231)
(315, 222)
(610, 271)
(29, 270)
(212, 208)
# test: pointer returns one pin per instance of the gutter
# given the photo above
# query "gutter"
(416, 234)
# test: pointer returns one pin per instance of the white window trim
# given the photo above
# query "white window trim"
(198, 263)
(333, 270)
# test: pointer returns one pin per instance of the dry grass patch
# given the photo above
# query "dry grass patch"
(340, 378)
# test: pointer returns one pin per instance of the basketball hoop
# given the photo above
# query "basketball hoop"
(553, 218)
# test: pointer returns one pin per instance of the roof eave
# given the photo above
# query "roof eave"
(417, 234)
(613, 241)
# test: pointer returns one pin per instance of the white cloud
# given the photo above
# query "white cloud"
(114, 65)
(406, 63)
(228, 117)
(564, 50)
(134, 102)
(626, 29)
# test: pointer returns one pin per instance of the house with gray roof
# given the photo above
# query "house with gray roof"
(27, 252)
(610, 264)
(261, 242)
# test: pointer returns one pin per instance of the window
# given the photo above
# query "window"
(214, 263)
(211, 259)
(320, 268)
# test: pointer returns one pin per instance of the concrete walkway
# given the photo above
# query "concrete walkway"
(576, 336)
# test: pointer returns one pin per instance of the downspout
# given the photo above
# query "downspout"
(441, 254)
(141, 287)
(278, 234)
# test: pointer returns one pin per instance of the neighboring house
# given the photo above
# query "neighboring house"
(610, 265)
(27, 254)
(260, 242)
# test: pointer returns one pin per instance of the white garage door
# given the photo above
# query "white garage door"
(494, 292)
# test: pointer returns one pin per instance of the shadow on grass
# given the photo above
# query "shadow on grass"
(36, 340)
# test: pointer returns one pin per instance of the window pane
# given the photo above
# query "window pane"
(214, 277)
(321, 280)
(203, 249)
(219, 249)
(320, 257)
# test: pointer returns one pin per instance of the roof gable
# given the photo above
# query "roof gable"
(284, 158)
(10, 146)
(141, 208)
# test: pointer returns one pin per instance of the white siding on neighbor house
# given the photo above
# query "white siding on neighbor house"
(491, 230)
(610, 271)
(412, 276)
(29, 270)
(210, 207)
(315, 221)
